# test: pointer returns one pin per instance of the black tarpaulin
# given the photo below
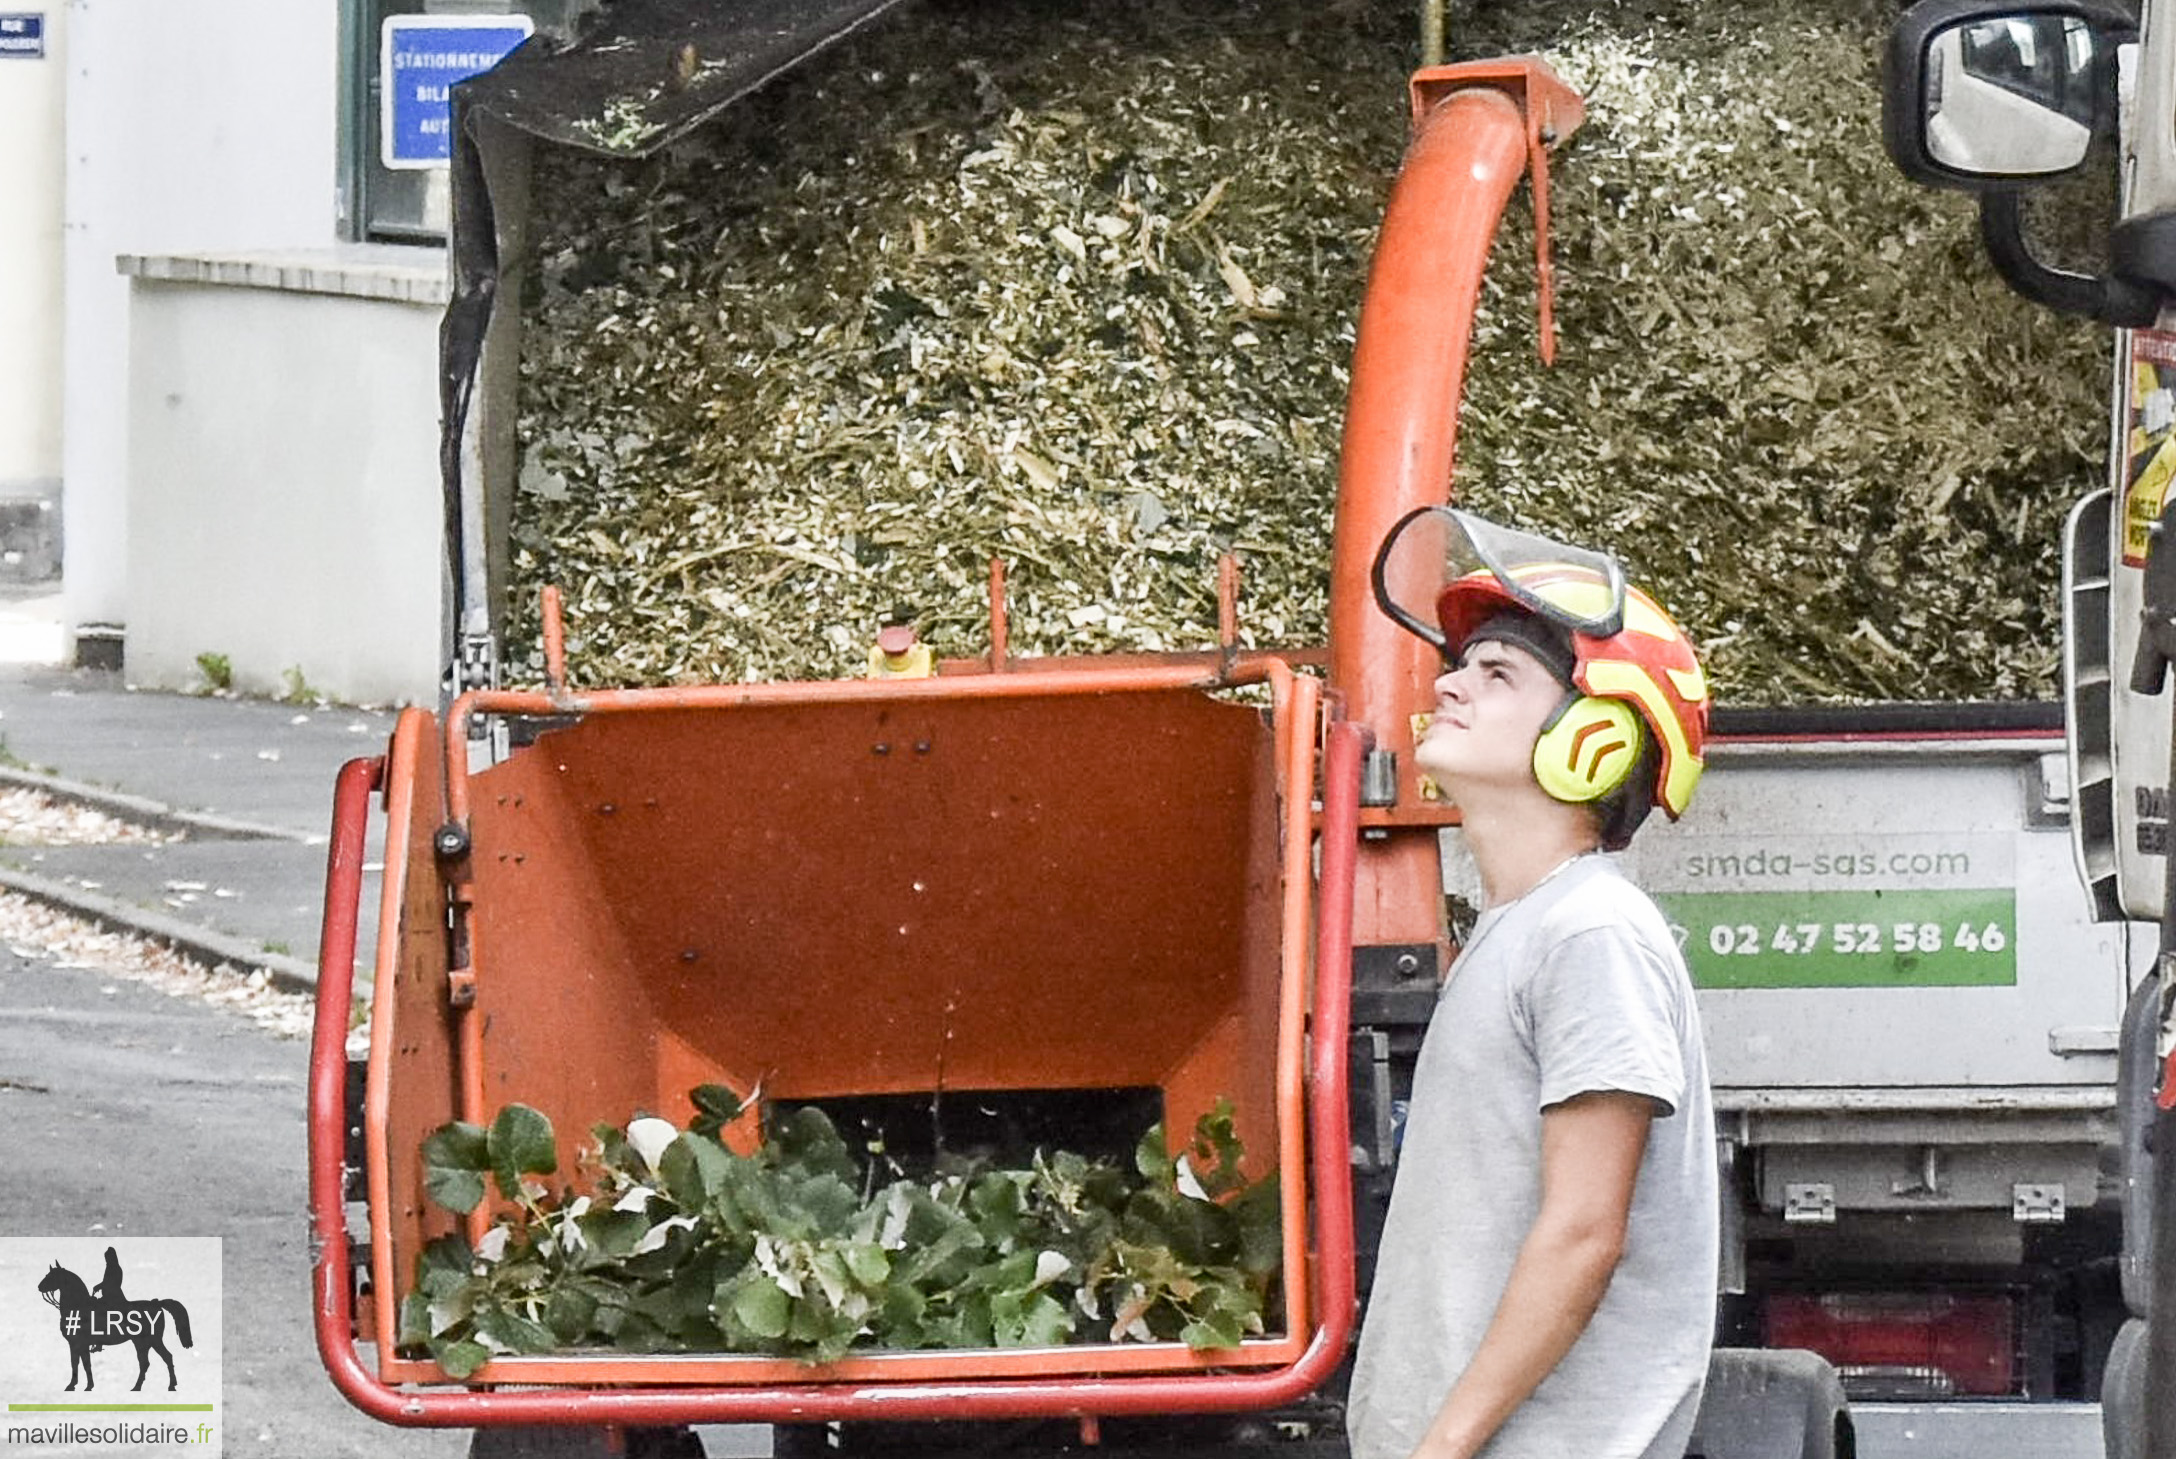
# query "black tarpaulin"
(647, 71)
(636, 76)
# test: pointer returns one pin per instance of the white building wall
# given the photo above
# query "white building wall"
(283, 506)
(32, 93)
(205, 126)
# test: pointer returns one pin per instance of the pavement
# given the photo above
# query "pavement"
(125, 1112)
(245, 784)
(132, 1114)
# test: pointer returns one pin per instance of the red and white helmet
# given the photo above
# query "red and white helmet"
(1460, 571)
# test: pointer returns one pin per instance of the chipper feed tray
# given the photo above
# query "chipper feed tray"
(1070, 889)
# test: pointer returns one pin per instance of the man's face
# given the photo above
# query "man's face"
(1489, 711)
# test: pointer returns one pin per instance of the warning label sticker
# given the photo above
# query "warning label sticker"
(2150, 454)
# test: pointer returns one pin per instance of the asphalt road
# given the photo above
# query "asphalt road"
(127, 1110)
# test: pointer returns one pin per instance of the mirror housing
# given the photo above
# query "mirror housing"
(1981, 94)
(1998, 96)
(2128, 296)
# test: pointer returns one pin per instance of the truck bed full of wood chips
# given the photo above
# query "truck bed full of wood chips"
(1075, 285)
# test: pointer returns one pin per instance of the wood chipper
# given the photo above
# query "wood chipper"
(1068, 893)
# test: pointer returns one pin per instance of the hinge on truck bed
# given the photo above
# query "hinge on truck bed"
(475, 667)
(2037, 1204)
(1812, 1203)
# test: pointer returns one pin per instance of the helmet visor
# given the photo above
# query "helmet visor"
(1437, 555)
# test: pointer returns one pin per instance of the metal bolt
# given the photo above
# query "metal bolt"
(607, 809)
(450, 841)
(882, 749)
(688, 955)
(921, 747)
(1408, 965)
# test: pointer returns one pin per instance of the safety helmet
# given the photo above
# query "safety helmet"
(1636, 692)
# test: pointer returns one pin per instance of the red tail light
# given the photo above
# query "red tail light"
(1927, 1344)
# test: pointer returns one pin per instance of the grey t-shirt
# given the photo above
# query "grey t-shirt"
(1576, 987)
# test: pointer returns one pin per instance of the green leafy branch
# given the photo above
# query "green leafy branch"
(682, 1244)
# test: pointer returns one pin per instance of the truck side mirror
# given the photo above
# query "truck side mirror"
(1997, 96)
(1976, 95)
(1981, 96)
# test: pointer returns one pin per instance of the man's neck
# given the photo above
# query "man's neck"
(1516, 847)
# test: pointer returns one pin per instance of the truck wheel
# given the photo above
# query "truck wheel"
(544, 1441)
(800, 1441)
(2158, 1347)
(2123, 1394)
(2137, 1067)
(1772, 1404)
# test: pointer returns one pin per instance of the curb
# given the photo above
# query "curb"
(144, 811)
(288, 974)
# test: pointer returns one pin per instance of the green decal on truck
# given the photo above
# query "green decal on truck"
(1918, 938)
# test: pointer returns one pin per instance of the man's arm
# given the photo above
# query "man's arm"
(1590, 1158)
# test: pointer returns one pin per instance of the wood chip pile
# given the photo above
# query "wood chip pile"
(1075, 285)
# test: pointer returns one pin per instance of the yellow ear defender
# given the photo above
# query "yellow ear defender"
(1588, 748)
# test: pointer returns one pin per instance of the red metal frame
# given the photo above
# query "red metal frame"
(555, 639)
(1329, 1118)
(1888, 737)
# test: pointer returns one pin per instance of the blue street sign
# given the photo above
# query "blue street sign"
(420, 58)
(22, 37)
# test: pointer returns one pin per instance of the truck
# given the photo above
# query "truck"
(596, 898)
(1912, 1021)
(2008, 102)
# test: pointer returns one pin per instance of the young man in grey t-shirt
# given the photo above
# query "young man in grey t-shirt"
(1546, 1282)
